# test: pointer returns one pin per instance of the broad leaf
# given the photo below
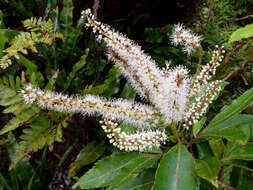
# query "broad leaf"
(236, 151)
(198, 126)
(208, 168)
(241, 33)
(143, 181)
(231, 129)
(217, 146)
(86, 156)
(176, 170)
(129, 172)
(234, 108)
(105, 170)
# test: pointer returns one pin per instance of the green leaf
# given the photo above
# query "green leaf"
(143, 181)
(129, 172)
(217, 146)
(66, 17)
(40, 133)
(86, 156)
(208, 168)
(128, 92)
(176, 170)
(105, 170)
(52, 81)
(231, 129)
(30, 66)
(110, 85)
(6, 92)
(198, 126)
(234, 108)
(20, 119)
(23, 170)
(204, 150)
(241, 33)
(4, 183)
(236, 151)
(10, 101)
(76, 68)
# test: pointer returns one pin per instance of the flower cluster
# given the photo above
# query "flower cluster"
(122, 110)
(174, 96)
(139, 141)
(164, 93)
(200, 105)
(185, 37)
(139, 68)
(207, 71)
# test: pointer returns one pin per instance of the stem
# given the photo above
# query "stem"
(199, 50)
(174, 131)
(241, 68)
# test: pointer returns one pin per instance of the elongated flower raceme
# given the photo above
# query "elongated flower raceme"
(139, 141)
(133, 61)
(122, 110)
(207, 72)
(200, 104)
(164, 92)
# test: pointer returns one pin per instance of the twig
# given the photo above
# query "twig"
(241, 68)
(223, 184)
(242, 18)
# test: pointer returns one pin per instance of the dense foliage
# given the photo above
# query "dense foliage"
(46, 44)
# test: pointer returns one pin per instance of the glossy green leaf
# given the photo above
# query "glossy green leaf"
(143, 181)
(89, 154)
(105, 170)
(204, 150)
(234, 108)
(129, 172)
(217, 146)
(198, 126)
(231, 129)
(176, 170)
(236, 151)
(242, 33)
(208, 168)
(205, 185)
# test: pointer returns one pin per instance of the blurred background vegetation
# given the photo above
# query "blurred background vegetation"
(75, 64)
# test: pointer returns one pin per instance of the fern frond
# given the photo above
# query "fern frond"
(15, 104)
(20, 43)
(41, 32)
(40, 133)
(33, 24)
